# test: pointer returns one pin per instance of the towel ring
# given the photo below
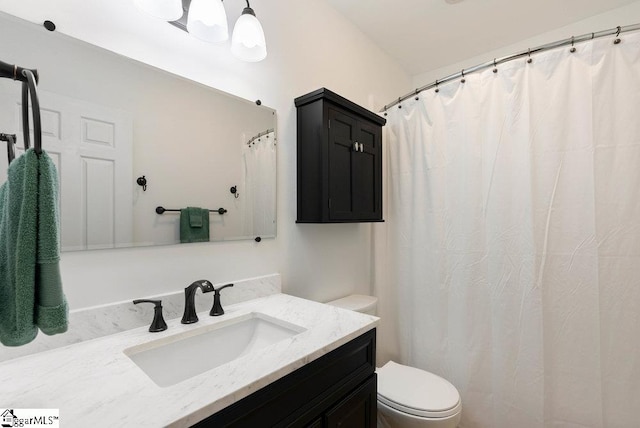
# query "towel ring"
(29, 89)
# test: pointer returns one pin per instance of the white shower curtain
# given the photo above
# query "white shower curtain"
(514, 238)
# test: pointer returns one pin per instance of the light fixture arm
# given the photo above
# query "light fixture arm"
(248, 9)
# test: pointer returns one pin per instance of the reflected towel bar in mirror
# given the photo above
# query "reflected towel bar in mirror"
(162, 210)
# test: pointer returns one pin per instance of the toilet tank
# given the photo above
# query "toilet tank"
(358, 303)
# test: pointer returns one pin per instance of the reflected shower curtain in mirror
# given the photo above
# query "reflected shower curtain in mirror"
(260, 186)
(514, 238)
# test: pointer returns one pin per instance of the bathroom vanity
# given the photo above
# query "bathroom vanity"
(308, 364)
(337, 389)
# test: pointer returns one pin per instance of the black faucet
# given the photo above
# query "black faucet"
(217, 310)
(158, 323)
(190, 316)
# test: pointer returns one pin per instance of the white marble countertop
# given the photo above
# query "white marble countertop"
(95, 384)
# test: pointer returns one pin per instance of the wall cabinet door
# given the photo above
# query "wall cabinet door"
(367, 173)
(355, 168)
(343, 131)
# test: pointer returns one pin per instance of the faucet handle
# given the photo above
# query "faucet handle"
(217, 290)
(217, 310)
(158, 324)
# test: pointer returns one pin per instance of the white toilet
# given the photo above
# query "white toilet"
(409, 397)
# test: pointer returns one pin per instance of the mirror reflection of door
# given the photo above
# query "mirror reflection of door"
(91, 147)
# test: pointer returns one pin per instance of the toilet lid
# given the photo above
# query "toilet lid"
(356, 302)
(416, 391)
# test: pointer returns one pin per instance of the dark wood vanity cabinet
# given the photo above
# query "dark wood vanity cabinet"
(339, 160)
(338, 389)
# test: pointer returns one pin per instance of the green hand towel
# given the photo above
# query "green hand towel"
(195, 216)
(194, 234)
(31, 289)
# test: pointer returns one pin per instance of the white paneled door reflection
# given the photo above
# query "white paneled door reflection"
(92, 147)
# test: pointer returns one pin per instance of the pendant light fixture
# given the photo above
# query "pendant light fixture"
(207, 20)
(167, 10)
(248, 42)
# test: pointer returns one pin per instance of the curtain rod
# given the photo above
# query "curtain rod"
(260, 134)
(570, 41)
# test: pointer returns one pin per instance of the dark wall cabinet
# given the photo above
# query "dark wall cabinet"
(336, 390)
(339, 160)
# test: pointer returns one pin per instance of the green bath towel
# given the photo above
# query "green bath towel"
(31, 294)
(194, 225)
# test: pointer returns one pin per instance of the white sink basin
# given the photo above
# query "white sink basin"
(173, 359)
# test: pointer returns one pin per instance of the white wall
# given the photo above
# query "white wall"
(310, 46)
(626, 15)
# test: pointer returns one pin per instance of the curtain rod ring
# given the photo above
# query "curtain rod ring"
(495, 66)
(437, 89)
(529, 60)
(463, 79)
(399, 101)
(573, 49)
(617, 40)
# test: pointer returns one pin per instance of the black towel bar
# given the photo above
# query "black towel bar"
(162, 210)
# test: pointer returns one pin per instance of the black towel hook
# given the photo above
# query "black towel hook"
(142, 182)
(11, 141)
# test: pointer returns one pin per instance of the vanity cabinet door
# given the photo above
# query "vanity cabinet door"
(316, 424)
(357, 410)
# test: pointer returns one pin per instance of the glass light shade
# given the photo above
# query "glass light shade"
(207, 21)
(248, 42)
(167, 10)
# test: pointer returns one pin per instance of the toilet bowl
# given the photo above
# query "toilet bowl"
(409, 397)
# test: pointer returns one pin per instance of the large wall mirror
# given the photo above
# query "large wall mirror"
(108, 120)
